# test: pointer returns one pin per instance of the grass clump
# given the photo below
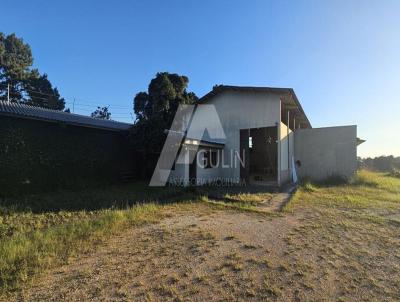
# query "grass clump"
(364, 178)
(309, 187)
(239, 206)
(252, 198)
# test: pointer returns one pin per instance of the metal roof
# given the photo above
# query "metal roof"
(37, 113)
(288, 97)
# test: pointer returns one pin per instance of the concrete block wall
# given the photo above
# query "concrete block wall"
(326, 152)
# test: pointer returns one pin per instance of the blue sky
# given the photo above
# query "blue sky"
(341, 57)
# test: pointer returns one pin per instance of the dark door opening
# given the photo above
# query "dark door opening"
(261, 154)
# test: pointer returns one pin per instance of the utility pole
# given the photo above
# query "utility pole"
(8, 92)
(73, 106)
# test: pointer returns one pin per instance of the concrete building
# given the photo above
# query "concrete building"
(267, 139)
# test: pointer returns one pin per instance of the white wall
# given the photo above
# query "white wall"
(181, 171)
(325, 152)
(235, 111)
(239, 110)
(322, 151)
(286, 153)
(205, 175)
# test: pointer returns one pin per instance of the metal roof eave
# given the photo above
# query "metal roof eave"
(24, 111)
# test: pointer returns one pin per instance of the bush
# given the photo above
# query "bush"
(395, 173)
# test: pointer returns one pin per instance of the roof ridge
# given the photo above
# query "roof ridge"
(245, 86)
(7, 103)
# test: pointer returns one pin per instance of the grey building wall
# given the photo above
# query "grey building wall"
(325, 152)
(238, 110)
(235, 110)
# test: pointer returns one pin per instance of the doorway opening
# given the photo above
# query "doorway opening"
(260, 146)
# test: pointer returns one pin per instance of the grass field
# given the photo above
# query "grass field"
(38, 232)
(351, 235)
(331, 242)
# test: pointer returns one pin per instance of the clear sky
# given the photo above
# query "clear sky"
(341, 57)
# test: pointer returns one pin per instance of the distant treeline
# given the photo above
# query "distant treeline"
(381, 163)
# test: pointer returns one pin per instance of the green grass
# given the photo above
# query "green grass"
(367, 190)
(352, 232)
(116, 196)
(28, 252)
(40, 231)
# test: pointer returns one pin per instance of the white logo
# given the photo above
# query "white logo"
(192, 124)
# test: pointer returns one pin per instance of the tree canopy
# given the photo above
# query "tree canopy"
(155, 111)
(165, 93)
(19, 82)
(101, 113)
(381, 163)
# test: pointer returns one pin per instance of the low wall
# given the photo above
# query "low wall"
(326, 152)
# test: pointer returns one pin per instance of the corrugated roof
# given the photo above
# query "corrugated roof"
(37, 113)
(291, 102)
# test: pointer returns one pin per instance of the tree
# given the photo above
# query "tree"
(101, 113)
(41, 93)
(165, 93)
(15, 60)
(155, 110)
(26, 85)
(381, 163)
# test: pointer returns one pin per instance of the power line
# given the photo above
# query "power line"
(81, 102)
(78, 107)
(92, 106)
(33, 91)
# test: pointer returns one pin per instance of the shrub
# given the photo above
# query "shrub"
(395, 173)
(309, 187)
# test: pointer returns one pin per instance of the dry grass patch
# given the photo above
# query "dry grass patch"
(349, 234)
(252, 198)
(333, 243)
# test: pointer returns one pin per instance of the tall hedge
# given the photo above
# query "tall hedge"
(38, 156)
